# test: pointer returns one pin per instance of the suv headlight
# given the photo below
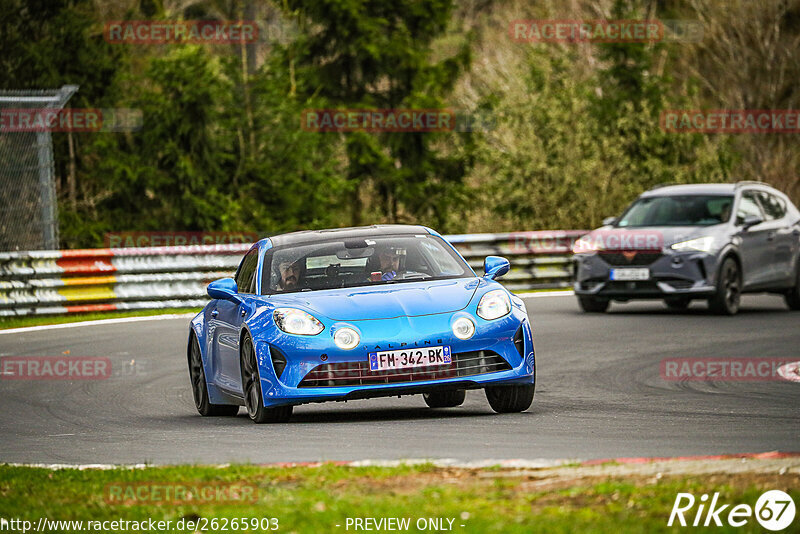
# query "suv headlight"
(703, 244)
(494, 305)
(585, 244)
(294, 321)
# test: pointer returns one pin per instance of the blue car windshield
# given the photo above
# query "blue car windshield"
(675, 210)
(383, 259)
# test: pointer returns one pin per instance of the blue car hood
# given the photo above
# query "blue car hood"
(385, 301)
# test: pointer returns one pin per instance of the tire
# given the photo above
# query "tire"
(200, 388)
(510, 399)
(729, 289)
(677, 303)
(445, 399)
(593, 305)
(792, 297)
(251, 387)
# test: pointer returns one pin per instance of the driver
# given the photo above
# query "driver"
(389, 261)
(289, 275)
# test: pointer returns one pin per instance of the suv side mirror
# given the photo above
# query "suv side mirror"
(609, 220)
(495, 267)
(751, 220)
(224, 288)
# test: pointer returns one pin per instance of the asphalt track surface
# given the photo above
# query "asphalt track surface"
(599, 395)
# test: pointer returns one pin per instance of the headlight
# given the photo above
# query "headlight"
(346, 338)
(494, 305)
(463, 328)
(293, 321)
(703, 244)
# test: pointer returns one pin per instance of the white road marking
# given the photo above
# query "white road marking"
(98, 322)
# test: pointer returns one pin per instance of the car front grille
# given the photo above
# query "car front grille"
(637, 258)
(359, 374)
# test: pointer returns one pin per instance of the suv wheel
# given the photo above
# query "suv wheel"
(729, 289)
(593, 305)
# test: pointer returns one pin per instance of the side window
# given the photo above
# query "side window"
(247, 270)
(748, 206)
(774, 207)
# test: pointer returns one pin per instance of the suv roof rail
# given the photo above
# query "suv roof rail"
(750, 182)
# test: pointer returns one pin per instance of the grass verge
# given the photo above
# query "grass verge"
(321, 499)
(37, 320)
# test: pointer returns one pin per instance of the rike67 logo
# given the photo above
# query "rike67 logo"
(774, 511)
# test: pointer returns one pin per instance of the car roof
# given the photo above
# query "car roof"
(355, 232)
(691, 189)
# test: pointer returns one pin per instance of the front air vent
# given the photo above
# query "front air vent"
(278, 361)
(359, 374)
(519, 341)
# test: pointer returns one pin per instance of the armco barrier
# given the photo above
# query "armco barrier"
(73, 281)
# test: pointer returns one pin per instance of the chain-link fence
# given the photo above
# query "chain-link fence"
(28, 209)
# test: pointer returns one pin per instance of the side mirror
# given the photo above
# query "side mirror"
(609, 220)
(224, 288)
(751, 220)
(495, 267)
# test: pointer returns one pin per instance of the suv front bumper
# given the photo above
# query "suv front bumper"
(671, 274)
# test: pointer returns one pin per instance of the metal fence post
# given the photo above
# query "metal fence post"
(18, 151)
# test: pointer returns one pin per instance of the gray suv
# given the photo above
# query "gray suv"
(700, 241)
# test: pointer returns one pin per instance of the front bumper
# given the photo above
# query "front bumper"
(306, 355)
(672, 274)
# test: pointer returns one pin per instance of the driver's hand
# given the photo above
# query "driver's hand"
(389, 276)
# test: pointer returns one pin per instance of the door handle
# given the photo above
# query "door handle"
(214, 313)
(771, 235)
(244, 312)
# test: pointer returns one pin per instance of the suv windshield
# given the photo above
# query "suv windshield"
(674, 210)
(360, 262)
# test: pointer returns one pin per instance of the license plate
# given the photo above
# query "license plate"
(630, 274)
(414, 357)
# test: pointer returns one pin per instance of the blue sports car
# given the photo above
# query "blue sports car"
(356, 313)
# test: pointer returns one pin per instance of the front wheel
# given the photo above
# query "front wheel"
(251, 387)
(200, 389)
(445, 399)
(510, 399)
(729, 289)
(593, 305)
(792, 297)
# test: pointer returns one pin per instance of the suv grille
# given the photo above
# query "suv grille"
(638, 258)
(359, 374)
